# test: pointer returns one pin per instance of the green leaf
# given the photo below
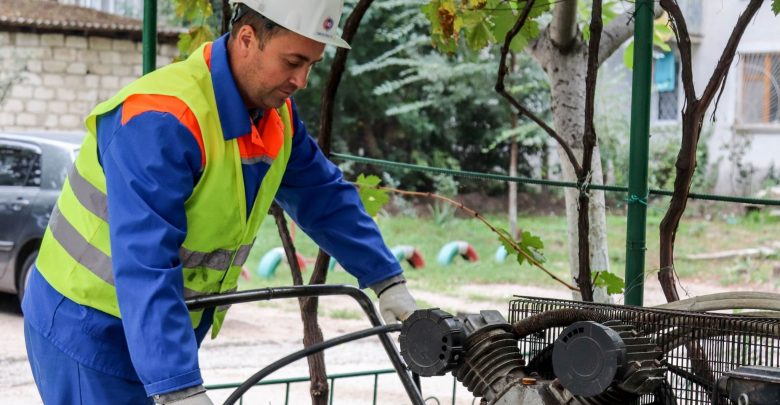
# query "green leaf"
(479, 36)
(503, 21)
(373, 199)
(441, 15)
(531, 240)
(628, 55)
(185, 39)
(662, 34)
(532, 245)
(609, 11)
(191, 40)
(661, 27)
(610, 281)
(529, 245)
(520, 259)
(505, 240)
(776, 6)
(529, 31)
(659, 42)
(192, 10)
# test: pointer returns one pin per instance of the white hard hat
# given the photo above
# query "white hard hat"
(314, 19)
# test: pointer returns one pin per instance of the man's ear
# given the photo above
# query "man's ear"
(246, 38)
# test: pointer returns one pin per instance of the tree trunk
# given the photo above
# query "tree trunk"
(692, 119)
(566, 73)
(312, 334)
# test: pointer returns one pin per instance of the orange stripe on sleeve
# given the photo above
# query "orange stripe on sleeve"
(140, 103)
(207, 54)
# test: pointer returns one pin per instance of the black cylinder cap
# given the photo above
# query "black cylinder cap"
(588, 357)
(432, 342)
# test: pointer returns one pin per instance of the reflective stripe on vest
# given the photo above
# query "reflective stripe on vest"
(75, 253)
(98, 262)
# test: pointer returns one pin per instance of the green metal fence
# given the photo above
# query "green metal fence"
(332, 380)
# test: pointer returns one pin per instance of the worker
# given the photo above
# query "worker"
(174, 177)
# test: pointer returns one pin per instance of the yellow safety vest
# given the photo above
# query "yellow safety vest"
(75, 255)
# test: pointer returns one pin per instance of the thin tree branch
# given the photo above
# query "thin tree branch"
(225, 24)
(727, 56)
(692, 118)
(312, 333)
(680, 28)
(319, 274)
(501, 88)
(337, 68)
(484, 220)
(287, 242)
(589, 138)
(589, 143)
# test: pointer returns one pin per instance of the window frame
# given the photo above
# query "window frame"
(756, 127)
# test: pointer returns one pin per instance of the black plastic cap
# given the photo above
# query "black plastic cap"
(588, 357)
(432, 342)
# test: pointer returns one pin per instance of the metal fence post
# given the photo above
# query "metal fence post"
(150, 36)
(638, 153)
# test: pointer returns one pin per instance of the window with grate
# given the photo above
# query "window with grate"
(668, 106)
(760, 88)
(665, 79)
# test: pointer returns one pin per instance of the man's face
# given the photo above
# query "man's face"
(267, 77)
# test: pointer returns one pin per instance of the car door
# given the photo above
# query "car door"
(20, 178)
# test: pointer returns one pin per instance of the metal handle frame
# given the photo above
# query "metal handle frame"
(266, 294)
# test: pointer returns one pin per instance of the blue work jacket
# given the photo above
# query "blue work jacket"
(153, 161)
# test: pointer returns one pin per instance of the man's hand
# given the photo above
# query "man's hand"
(188, 396)
(395, 301)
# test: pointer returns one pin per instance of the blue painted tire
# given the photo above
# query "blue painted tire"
(501, 254)
(448, 252)
(269, 262)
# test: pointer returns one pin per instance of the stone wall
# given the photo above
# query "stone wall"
(51, 81)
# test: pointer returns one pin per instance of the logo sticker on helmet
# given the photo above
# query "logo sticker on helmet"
(327, 24)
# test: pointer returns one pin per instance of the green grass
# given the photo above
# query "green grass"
(696, 235)
(345, 314)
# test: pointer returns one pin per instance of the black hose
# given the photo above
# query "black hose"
(555, 318)
(257, 377)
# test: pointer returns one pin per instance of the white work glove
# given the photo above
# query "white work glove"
(395, 301)
(188, 396)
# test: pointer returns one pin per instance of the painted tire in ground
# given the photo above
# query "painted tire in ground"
(270, 261)
(456, 248)
(501, 254)
(410, 255)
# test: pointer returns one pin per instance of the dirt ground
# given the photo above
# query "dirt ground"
(257, 334)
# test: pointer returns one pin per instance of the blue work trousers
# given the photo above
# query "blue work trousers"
(63, 381)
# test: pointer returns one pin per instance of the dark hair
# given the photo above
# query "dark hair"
(264, 28)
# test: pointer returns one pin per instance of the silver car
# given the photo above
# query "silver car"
(33, 168)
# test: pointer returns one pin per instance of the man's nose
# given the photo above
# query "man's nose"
(300, 78)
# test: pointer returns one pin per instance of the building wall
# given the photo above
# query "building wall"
(52, 81)
(129, 8)
(761, 145)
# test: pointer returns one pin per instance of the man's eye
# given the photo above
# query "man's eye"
(293, 64)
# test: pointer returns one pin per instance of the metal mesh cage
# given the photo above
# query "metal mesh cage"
(698, 347)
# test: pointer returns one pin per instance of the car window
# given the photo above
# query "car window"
(19, 166)
(57, 163)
